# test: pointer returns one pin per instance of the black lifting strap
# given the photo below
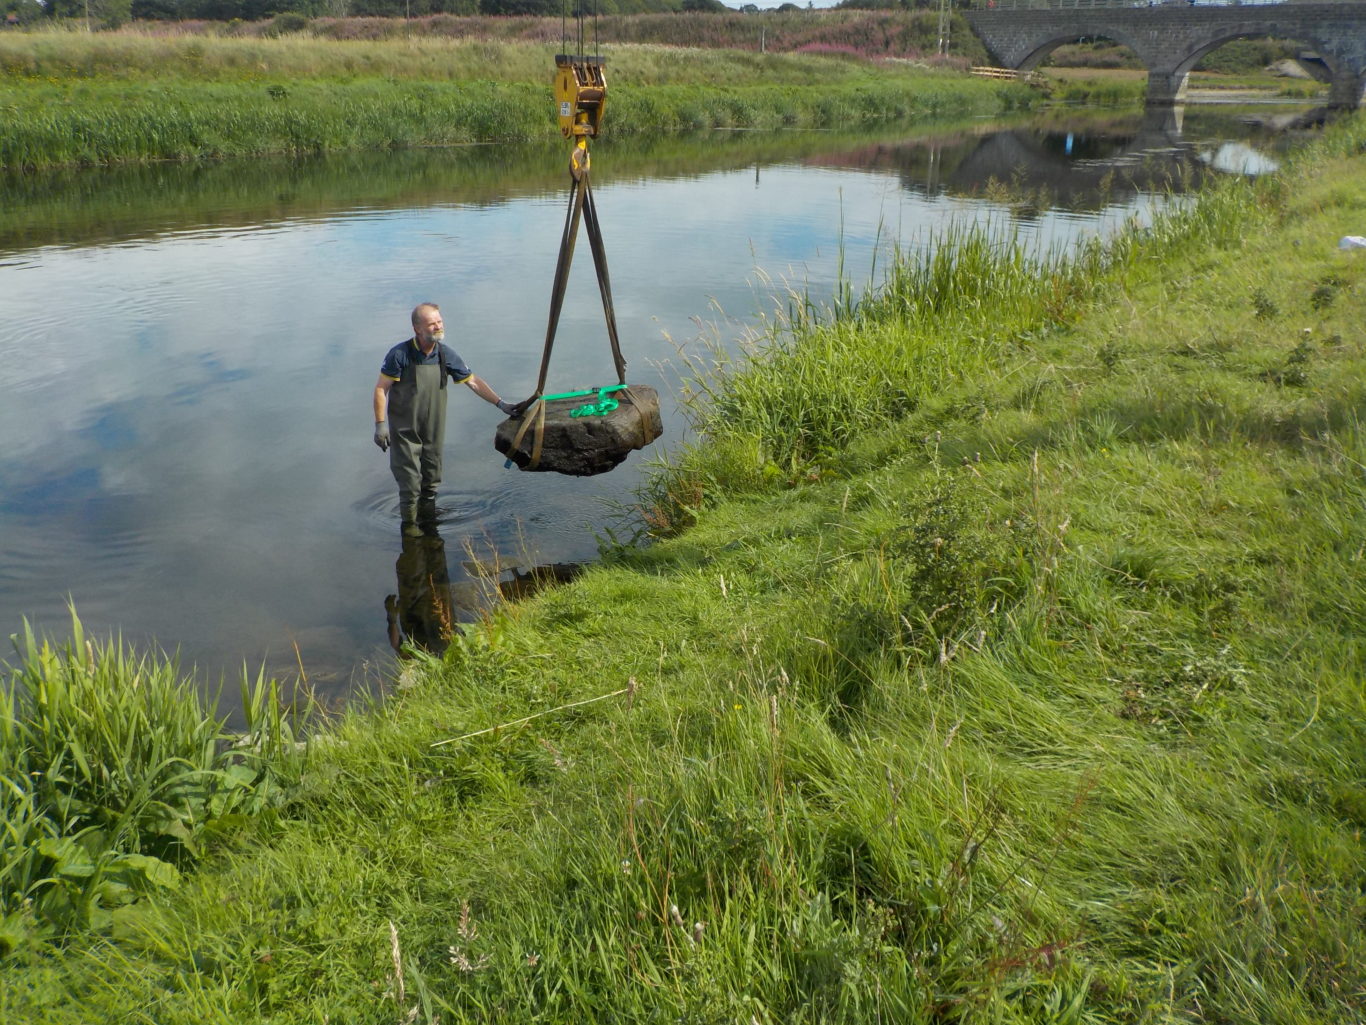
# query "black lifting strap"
(581, 205)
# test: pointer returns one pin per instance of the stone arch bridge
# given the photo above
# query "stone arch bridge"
(1170, 38)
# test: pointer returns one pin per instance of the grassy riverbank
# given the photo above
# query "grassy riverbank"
(998, 658)
(872, 34)
(71, 99)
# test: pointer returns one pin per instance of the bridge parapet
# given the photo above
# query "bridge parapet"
(1170, 38)
(1072, 5)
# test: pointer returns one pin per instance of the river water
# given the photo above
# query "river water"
(191, 351)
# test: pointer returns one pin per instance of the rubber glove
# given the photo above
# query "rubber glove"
(382, 435)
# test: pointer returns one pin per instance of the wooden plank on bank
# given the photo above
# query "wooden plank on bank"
(987, 72)
(1009, 74)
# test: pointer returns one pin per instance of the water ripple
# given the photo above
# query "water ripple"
(456, 511)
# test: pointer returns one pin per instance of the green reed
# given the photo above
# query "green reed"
(641, 51)
(73, 100)
(815, 380)
(114, 771)
(101, 122)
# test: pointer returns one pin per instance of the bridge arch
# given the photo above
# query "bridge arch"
(1041, 53)
(1171, 38)
(1232, 36)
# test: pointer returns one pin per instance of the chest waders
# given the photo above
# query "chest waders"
(417, 424)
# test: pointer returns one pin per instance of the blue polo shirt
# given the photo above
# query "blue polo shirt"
(406, 354)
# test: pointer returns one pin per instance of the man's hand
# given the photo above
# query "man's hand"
(515, 408)
(382, 435)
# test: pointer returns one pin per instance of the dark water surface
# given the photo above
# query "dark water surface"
(190, 351)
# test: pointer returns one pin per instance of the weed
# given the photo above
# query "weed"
(1263, 305)
(1179, 690)
(1325, 292)
(1295, 371)
(1110, 354)
(114, 771)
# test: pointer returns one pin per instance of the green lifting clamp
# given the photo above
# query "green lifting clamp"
(602, 407)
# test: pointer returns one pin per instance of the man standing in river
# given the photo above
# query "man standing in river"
(410, 411)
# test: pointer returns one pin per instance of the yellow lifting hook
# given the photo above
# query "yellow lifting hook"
(581, 96)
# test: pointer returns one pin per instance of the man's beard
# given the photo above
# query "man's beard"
(433, 337)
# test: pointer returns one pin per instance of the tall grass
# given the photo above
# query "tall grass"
(83, 99)
(433, 58)
(1036, 699)
(102, 122)
(127, 57)
(113, 772)
(805, 387)
(872, 34)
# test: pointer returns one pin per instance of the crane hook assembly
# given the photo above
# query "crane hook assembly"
(556, 433)
(580, 93)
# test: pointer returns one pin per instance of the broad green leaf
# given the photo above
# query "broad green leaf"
(71, 859)
(153, 871)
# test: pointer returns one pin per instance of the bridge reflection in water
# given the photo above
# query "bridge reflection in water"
(1083, 165)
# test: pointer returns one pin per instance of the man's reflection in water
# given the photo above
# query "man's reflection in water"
(423, 611)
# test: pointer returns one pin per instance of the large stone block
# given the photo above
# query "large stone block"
(584, 445)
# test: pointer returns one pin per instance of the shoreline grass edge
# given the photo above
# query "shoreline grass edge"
(1003, 664)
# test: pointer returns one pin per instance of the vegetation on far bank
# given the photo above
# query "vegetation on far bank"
(463, 49)
(102, 123)
(113, 13)
(293, 84)
(1109, 87)
(290, 15)
(72, 99)
(996, 656)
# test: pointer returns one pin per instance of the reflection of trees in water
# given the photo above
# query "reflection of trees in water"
(1082, 165)
(93, 205)
(75, 206)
